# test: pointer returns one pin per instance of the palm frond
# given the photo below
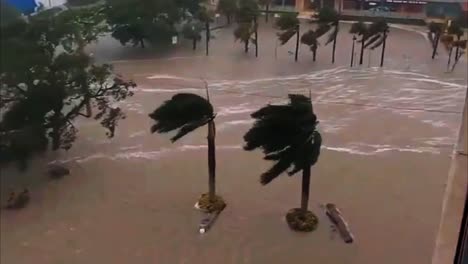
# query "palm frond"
(184, 111)
(286, 35)
(372, 39)
(378, 43)
(284, 133)
(332, 35)
(321, 30)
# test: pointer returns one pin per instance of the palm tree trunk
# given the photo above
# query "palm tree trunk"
(142, 43)
(207, 27)
(314, 53)
(449, 58)
(256, 36)
(211, 160)
(361, 59)
(194, 44)
(334, 42)
(228, 17)
(458, 48)
(436, 44)
(305, 189)
(383, 49)
(267, 7)
(297, 42)
(352, 52)
(246, 46)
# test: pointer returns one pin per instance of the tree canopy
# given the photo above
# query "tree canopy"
(184, 112)
(48, 81)
(147, 20)
(288, 24)
(287, 134)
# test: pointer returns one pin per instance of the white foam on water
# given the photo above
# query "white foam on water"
(237, 109)
(137, 134)
(241, 122)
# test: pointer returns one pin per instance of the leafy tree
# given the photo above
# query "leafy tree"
(48, 81)
(135, 22)
(184, 113)
(247, 23)
(193, 28)
(227, 8)
(192, 31)
(287, 135)
(434, 34)
(8, 13)
(266, 4)
(329, 19)
(289, 25)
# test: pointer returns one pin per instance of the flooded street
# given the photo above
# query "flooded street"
(387, 138)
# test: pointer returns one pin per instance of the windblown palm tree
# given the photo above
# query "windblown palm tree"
(310, 38)
(330, 19)
(360, 29)
(434, 34)
(288, 135)
(449, 42)
(184, 113)
(377, 36)
(247, 24)
(289, 25)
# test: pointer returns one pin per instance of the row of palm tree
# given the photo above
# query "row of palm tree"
(287, 135)
(450, 35)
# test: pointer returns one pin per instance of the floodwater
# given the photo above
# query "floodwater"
(388, 134)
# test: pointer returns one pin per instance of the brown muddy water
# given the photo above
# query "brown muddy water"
(388, 135)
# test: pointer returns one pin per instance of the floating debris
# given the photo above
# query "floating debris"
(337, 219)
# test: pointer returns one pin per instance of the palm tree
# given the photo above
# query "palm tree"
(331, 18)
(192, 31)
(360, 29)
(228, 8)
(266, 4)
(455, 29)
(288, 135)
(310, 38)
(377, 36)
(434, 34)
(247, 24)
(289, 25)
(185, 112)
(460, 45)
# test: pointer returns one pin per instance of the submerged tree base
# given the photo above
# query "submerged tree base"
(300, 221)
(204, 204)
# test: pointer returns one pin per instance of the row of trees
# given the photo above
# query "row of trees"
(287, 134)
(450, 35)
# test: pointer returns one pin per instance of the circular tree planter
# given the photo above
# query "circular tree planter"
(204, 204)
(300, 221)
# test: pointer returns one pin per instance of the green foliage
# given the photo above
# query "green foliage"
(358, 28)
(455, 29)
(436, 28)
(289, 24)
(310, 39)
(328, 15)
(248, 10)
(192, 30)
(82, 2)
(151, 20)
(8, 14)
(48, 80)
(376, 34)
(287, 21)
(227, 7)
(287, 134)
(184, 112)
